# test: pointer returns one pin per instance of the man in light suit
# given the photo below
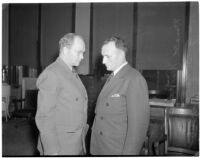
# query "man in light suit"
(62, 102)
(122, 109)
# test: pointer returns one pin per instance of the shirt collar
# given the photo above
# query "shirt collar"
(119, 68)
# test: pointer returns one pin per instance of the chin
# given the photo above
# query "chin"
(108, 68)
(77, 64)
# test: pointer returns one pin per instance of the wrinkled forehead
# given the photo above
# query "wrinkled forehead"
(108, 48)
(78, 44)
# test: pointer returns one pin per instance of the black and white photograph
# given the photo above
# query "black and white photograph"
(95, 79)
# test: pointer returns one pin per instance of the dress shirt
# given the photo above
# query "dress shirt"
(117, 70)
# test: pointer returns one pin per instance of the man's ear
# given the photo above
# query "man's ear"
(121, 53)
(65, 50)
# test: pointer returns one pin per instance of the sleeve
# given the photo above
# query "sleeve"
(138, 116)
(45, 116)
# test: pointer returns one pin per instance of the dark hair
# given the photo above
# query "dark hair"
(119, 43)
(67, 40)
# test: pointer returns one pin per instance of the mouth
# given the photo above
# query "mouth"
(107, 66)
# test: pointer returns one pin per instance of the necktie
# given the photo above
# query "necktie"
(74, 72)
(110, 77)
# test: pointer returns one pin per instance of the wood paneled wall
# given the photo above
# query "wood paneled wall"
(23, 34)
(192, 82)
(112, 19)
(5, 33)
(56, 21)
(82, 27)
(27, 46)
(160, 35)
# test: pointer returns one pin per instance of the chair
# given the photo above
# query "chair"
(146, 145)
(181, 132)
(29, 100)
(162, 94)
(5, 99)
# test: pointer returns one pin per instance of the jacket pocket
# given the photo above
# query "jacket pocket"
(116, 104)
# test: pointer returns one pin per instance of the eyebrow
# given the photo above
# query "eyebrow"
(106, 55)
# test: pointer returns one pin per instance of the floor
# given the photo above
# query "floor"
(19, 138)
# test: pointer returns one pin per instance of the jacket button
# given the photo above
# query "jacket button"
(101, 133)
(107, 104)
(76, 99)
(101, 117)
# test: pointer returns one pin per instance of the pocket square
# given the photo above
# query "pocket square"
(115, 95)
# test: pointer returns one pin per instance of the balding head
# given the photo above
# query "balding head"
(72, 48)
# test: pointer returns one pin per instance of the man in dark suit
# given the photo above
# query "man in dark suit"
(122, 109)
(62, 102)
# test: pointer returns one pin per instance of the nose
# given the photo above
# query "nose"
(103, 60)
(81, 56)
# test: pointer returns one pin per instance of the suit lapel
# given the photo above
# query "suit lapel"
(80, 84)
(113, 82)
(75, 80)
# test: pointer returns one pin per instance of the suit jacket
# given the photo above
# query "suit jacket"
(122, 115)
(62, 110)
